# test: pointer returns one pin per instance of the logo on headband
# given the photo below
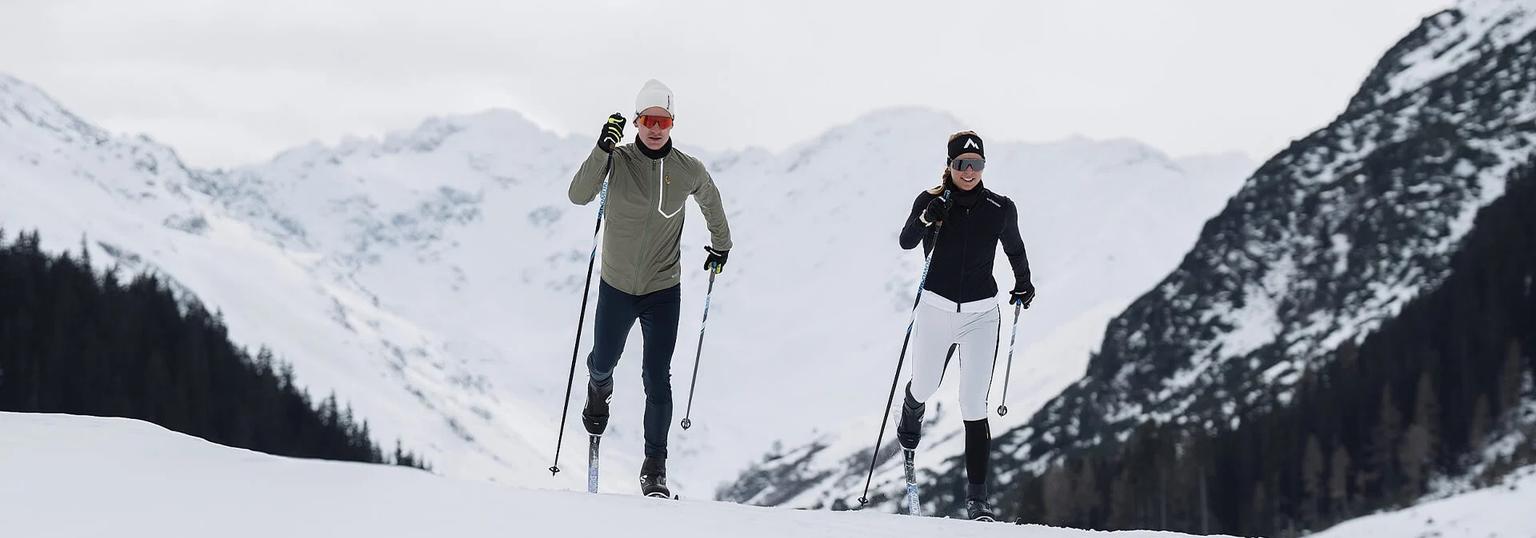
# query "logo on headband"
(970, 143)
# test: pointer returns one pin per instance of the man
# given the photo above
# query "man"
(647, 190)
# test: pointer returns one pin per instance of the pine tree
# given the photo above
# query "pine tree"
(1413, 456)
(1259, 517)
(1312, 467)
(1477, 430)
(1122, 502)
(1426, 414)
(1338, 481)
(1384, 440)
(1511, 376)
(1086, 493)
(1057, 492)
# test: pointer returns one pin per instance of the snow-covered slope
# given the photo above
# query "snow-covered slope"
(75, 477)
(1502, 511)
(431, 277)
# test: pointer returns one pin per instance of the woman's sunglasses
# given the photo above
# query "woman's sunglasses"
(655, 122)
(960, 165)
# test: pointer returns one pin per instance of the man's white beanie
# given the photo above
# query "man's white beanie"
(654, 93)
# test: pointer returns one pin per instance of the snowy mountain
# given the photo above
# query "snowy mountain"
(431, 277)
(70, 476)
(135, 206)
(1324, 241)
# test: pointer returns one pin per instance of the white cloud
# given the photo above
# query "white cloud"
(229, 83)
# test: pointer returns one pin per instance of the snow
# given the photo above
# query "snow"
(72, 476)
(1502, 511)
(1340, 247)
(1385, 298)
(431, 277)
(1485, 24)
(1257, 322)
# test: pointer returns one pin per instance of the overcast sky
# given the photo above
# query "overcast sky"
(229, 83)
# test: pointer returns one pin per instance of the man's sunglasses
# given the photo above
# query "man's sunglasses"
(655, 122)
(960, 165)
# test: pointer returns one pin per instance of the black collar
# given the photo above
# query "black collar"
(654, 154)
(967, 198)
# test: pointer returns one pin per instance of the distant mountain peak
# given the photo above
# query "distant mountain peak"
(21, 101)
(427, 136)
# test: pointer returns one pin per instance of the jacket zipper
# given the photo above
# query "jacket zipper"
(645, 229)
(960, 288)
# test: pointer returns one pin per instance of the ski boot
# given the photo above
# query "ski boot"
(909, 430)
(976, 506)
(653, 478)
(594, 415)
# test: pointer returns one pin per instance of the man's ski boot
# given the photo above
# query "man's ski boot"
(653, 478)
(976, 506)
(595, 414)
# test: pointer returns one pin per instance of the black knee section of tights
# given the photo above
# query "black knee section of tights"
(978, 452)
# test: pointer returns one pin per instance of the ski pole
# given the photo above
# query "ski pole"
(1002, 409)
(581, 321)
(687, 422)
(900, 358)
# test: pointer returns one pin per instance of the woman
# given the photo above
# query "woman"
(961, 222)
